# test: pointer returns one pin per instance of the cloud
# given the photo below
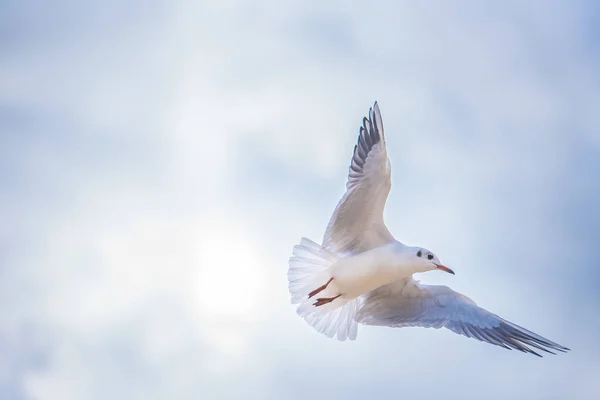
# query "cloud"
(160, 161)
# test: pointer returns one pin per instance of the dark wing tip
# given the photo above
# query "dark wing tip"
(527, 339)
(370, 134)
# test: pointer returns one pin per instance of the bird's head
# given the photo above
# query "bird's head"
(424, 260)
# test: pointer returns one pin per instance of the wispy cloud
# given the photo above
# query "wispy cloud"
(158, 161)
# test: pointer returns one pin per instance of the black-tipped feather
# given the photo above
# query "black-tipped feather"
(370, 134)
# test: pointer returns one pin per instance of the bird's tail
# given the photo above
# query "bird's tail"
(312, 286)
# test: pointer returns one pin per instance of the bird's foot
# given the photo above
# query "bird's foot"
(324, 300)
(319, 289)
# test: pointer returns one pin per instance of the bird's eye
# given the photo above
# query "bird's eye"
(430, 256)
(419, 253)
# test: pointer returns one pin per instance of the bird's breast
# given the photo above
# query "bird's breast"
(360, 274)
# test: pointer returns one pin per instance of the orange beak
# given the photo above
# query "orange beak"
(444, 268)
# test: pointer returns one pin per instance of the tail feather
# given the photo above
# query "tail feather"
(309, 268)
(309, 265)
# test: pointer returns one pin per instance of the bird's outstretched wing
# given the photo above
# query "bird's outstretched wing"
(408, 303)
(357, 222)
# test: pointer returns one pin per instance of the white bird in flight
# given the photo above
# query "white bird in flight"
(361, 274)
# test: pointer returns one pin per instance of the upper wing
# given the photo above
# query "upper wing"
(357, 222)
(407, 303)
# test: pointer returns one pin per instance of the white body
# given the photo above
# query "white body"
(356, 275)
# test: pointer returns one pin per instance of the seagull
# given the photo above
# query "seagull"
(362, 274)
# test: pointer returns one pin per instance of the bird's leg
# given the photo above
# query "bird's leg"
(325, 300)
(319, 289)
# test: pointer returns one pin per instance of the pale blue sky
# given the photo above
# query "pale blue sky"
(158, 161)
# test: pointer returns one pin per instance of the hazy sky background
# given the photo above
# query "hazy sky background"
(158, 161)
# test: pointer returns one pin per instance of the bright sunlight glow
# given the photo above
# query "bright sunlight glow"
(231, 277)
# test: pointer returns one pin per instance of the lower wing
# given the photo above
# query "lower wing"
(408, 303)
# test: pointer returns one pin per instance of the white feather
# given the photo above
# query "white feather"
(309, 268)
